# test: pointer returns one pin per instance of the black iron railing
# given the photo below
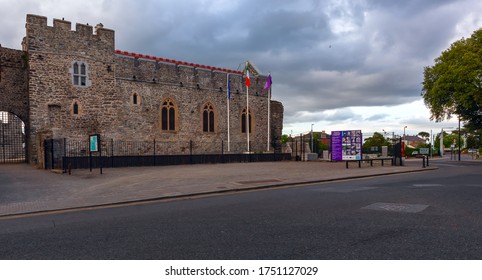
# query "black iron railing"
(71, 154)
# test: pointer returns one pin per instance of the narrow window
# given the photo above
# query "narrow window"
(164, 119)
(76, 108)
(76, 74)
(172, 119)
(211, 121)
(243, 123)
(205, 121)
(134, 99)
(82, 75)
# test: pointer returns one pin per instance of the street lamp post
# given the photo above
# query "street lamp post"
(442, 141)
(312, 138)
(404, 142)
(459, 138)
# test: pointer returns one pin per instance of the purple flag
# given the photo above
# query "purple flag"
(229, 90)
(268, 82)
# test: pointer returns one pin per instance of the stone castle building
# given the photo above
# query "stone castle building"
(70, 84)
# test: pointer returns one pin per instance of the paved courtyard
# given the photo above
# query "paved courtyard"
(25, 189)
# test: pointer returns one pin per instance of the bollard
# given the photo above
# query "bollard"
(427, 162)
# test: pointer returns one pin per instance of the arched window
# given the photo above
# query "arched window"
(135, 99)
(75, 109)
(168, 115)
(244, 124)
(208, 118)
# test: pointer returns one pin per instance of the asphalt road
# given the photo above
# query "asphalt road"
(427, 215)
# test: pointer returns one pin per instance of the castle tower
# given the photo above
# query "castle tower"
(71, 79)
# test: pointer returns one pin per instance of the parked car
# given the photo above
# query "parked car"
(417, 154)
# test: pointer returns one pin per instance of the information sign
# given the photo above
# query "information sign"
(424, 151)
(346, 145)
(94, 143)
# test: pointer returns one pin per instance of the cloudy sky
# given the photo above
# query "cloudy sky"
(336, 64)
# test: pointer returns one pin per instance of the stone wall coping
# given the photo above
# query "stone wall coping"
(176, 62)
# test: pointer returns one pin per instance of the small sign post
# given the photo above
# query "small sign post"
(94, 146)
(424, 151)
(94, 143)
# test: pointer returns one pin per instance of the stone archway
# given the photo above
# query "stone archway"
(12, 138)
(14, 106)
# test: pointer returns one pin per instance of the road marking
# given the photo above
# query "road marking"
(396, 207)
(427, 185)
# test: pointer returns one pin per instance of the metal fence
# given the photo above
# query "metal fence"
(71, 154)
(12, 138)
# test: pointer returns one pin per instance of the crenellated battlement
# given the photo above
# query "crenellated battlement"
(145, 68)
(61, 38)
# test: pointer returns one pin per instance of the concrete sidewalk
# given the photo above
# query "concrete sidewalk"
(24, 189)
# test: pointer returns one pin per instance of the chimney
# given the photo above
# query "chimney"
(99, 25)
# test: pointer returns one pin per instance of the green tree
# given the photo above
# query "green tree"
(449, 139)
(474, 139)
(377, 140)
(284, 138)
(424, 135)
(453, 86)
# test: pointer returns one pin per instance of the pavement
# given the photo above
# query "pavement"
(24, 189)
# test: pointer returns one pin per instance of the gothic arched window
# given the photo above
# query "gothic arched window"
(168, 115)
(249, 124)
(208, 118)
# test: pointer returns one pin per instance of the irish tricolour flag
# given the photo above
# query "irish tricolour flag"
(248, 82)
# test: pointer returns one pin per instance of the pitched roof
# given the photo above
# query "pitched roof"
(414, 138)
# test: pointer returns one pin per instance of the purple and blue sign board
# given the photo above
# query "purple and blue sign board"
(346, 145)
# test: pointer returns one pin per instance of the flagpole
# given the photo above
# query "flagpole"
(228, 93)
(269, 113)
(248, 126)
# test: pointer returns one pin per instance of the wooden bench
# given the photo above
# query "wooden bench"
(369, 160)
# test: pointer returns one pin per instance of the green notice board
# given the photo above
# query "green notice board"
(94, 143)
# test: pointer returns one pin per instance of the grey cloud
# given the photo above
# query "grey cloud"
(377, 117)
(323, 55)
(335, 116)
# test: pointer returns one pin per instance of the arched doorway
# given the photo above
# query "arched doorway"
(12, 138)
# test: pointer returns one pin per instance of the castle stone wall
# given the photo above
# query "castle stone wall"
(13, 83)
(14, 90)
(58, 108)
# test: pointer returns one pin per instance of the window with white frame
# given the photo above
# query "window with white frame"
(80, 74)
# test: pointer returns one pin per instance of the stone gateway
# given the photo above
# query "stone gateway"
(70, 84)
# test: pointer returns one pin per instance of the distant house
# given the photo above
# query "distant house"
(413, 141)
